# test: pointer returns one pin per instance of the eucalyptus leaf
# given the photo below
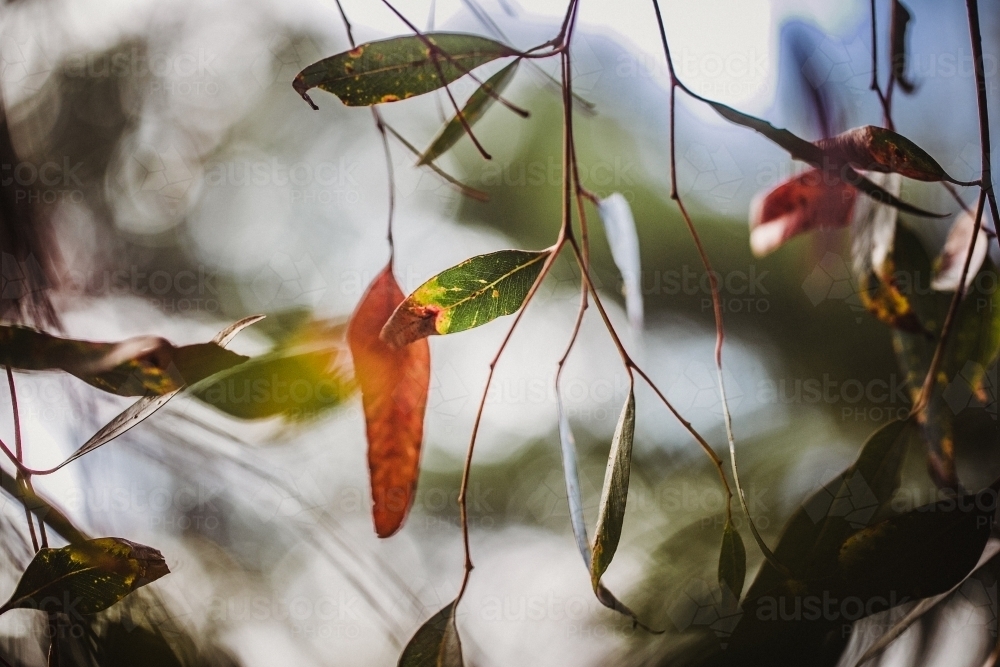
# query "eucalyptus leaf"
(395, 69)
(732, 561)
(86, 577)
(436, 643)
(477, 105)
(619, 227)
(611, 513)
(468, 295)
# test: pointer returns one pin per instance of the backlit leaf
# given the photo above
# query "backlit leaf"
(474, 109)
(134, 367)
(397, 68)
(436, 643)
(614, 494)
(732, 561)
(467, 295)
(807, 202)
(883, 299)
(619, 227)
(394, 385)
(302, 378)
(86, 578)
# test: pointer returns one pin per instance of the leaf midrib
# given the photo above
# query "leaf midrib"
(475, 295)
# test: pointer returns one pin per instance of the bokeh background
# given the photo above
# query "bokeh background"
(186, 185)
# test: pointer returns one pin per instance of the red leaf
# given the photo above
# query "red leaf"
(812, 200)
(394, 387)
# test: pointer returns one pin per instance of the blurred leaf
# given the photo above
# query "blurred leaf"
(949, 264)
(614, 494)
(397, 68)
(812, 536)
(920, 553)
(474, 109)
(879, 149)
(87, 577)
(147, 405)
(883, 299)
(301, 379)
(138, 646)
(807, 202)
(900, 22)
(800, 149)
(394, 385)
(134, 367)
(468, 295)
(619, 227)
(990, 552)
(436, 643)
(732, 561)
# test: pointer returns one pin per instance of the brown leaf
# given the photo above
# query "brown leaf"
(810, 201)
(874, 148)
(948, 266)
(394, 384)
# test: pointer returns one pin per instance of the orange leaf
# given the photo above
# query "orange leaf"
(394, 387)
(810, 201)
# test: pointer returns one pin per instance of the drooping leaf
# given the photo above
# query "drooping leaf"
(800, 149)
(569, 459)
(807, 202)
(873, 148)
(949, 264)
(133, 367)
(436, 643)
(147, 405)
(87, 577)
(395, 69)
(900, 22)
(301, 379)
(466, 190)
(467, 295)
(567, 445)
(732, 561)
(477, 105)
(619, 227)
(394, 385)
(614, 494)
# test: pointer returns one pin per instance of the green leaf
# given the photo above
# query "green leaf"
(732, 561)
(135, 367)
(468, 295)
(474, 109)
(301, 379)
(466, 190)
(614, 494)
(86, 578)
(398, 68)
(436, 643)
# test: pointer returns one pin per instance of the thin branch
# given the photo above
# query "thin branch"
(986, 179)
(23, 479)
